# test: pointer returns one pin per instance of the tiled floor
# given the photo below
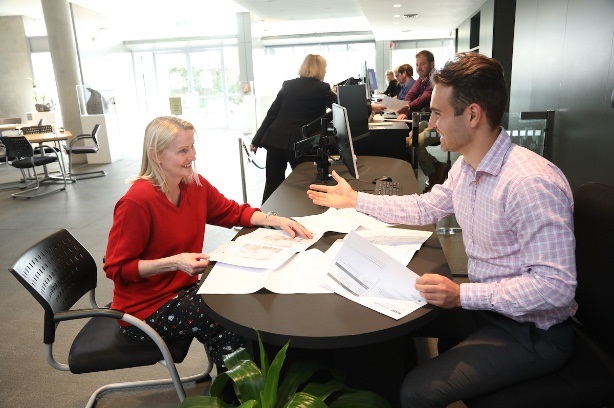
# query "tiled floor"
(86, 209)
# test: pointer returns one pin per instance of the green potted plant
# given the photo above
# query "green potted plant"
(260, 387)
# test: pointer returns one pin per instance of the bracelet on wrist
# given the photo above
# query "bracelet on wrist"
(269, 214)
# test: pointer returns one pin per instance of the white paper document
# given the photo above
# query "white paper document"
(393, 103)
(401, 244)
(277, 238)
(344, 221)
(303, 273)
(364, 274)
(251, 255)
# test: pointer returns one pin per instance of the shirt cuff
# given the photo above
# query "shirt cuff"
(475, 296)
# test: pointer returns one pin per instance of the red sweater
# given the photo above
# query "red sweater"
(148, 226)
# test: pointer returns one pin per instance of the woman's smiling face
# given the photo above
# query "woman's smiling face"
(176, 160)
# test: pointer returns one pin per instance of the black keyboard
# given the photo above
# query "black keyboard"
(383, 187)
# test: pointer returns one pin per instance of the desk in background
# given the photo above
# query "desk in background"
(371, 348)
(384, 140)
(41, 139)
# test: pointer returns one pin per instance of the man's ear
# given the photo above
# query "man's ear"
(475, 114)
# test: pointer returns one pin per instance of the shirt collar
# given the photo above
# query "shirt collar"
(493, 161)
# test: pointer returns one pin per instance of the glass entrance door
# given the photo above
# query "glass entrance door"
(207, 82)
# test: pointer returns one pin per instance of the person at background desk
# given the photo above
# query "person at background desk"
(418, 100)
(405, 81)
(299, 102)
(393, 85)
(154, 253)
(510, 322)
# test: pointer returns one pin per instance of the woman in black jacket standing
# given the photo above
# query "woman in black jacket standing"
(299, 102)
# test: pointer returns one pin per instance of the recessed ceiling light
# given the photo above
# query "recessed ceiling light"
(397, 5)
(409, 15)
(396, 16)
(396, 23)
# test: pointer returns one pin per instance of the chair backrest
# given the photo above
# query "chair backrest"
(17, 146)
(94, 132)
(533, 130)
(594, 231)
(57, 271)
(30, 130)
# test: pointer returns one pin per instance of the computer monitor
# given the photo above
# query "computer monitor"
(333, 139)
(371, 82)
(352, 97)
(343, 137)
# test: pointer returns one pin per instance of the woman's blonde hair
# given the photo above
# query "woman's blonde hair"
(314, 66)
(159, 134)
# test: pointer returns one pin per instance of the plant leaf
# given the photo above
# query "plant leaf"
(269, 396)
(236, 357)
(264, 359)
(248, 381)
(323, 390)
(359, 399)
(298, 374)
(304, 400)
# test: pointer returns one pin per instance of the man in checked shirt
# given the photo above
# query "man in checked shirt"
(511, 321)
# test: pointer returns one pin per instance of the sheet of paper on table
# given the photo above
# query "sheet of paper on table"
(303, 273)
(343, 220)
(364, 274)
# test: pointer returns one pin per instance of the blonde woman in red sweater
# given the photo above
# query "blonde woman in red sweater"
(154, 253)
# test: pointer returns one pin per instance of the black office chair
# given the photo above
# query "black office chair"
(58, 271)
(23, 157)
(72, 149)
(40, 128)
(587, 379)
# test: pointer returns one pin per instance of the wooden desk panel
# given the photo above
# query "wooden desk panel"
(48, 137)
(386, 141)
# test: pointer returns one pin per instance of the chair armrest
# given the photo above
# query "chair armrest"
(79, 137)
(87, 313)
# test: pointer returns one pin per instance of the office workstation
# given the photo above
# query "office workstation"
(538, 35)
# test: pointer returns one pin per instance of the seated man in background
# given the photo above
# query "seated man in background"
(511, 321)
(418, 99)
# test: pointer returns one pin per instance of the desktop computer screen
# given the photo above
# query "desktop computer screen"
(353, 98)
(371, 81)
(343, 137)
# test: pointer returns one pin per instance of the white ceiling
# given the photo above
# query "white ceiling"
(436, 18)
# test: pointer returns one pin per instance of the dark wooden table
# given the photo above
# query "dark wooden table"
(373, 349)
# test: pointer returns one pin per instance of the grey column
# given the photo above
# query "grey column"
(244, 44)
(63, 48)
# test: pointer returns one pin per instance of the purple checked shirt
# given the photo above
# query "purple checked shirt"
(516, 213)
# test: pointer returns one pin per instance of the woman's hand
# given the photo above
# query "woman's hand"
(187, 262)
(402, 116)
(339, 196)
(290, 226)
(192, 263)
(253, 148)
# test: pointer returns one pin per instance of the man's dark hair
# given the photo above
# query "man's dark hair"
(427, 54)
(406, 68)
(475, 78)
